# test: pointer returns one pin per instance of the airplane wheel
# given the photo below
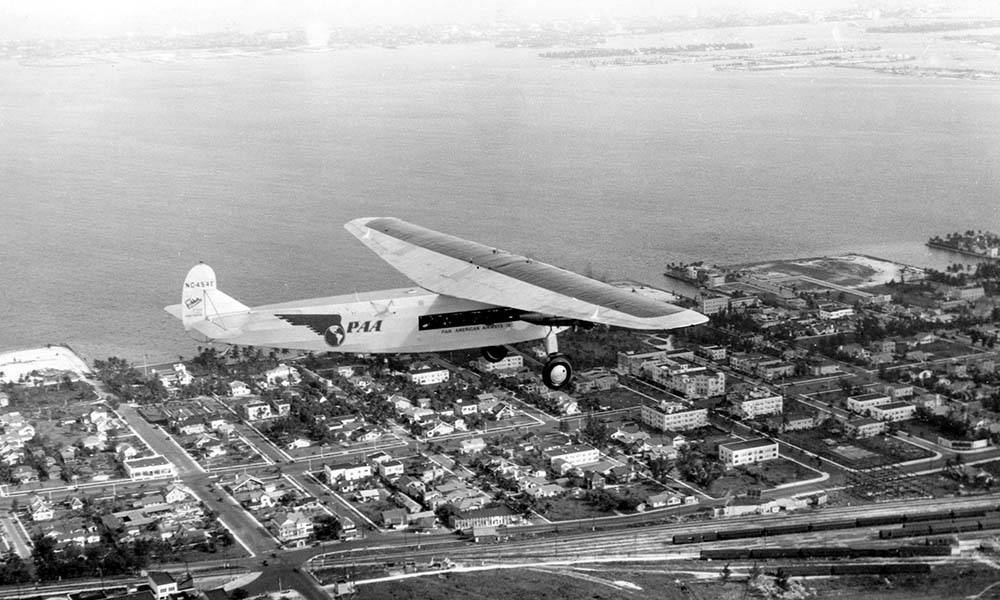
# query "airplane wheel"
(557, 372)
(494, 353)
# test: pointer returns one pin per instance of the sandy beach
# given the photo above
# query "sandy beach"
(17, 363)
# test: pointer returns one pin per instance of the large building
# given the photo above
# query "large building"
(687, 378)
(673, 416)
(581, 454)
(483, 517)
(834, 310)
(429, 375)
(894, 411)
(760, 401)
(347, 472)
(864, 427)
(597, 379)
(863, 403)
(152, 467)
(749, 452)
(632, 362)
(511, 362)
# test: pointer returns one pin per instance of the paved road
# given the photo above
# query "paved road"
(244, 527)
(15, 537)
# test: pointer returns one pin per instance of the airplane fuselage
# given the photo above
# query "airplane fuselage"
(386, 321)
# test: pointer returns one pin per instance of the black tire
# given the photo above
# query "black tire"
(557, 372)
(494, 354)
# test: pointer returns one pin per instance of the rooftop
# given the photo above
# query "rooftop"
(749, 444)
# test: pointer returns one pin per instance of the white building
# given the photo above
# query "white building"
(287, 375)
(760, 401)
(834, 310)
(429, 376)
(864, 427)
(152, 467)
(673, 416)
(687, 378)
(863, 403)
(577, 455)
(347, 472)
(735, 454)
(894, 411)
(511, 362)
(632, 362)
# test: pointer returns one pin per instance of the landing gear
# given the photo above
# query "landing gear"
(557, 372)
(494, 354)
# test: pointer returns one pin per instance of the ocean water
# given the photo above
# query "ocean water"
(116, 178)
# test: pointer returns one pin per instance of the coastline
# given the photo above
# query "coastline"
(14, 364)
(954, 250)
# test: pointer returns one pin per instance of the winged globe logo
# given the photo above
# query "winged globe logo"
(328, 326)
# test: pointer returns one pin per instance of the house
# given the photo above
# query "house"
(462, 408)
(25, 474)
(298, 443)
(41, 509)
(282, 375)
(126, 450)
(191, 426)
(665, 499)
(162, 584)
(389, 469)
(292, 528)
(281, 407)
(472, 445)
(238, 388)
(257, 410)
(174, 494)
(438, 429)
(213, 450)
(394, 518)
(371, 495)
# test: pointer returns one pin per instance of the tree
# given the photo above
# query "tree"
(596, 431)
(326, 527)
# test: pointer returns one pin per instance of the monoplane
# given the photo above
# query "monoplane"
(467, 295)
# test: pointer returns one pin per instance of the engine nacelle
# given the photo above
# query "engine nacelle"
(494, 353)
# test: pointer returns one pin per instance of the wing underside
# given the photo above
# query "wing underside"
(449, 265)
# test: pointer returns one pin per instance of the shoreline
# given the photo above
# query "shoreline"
(953, 250)
(15, 364)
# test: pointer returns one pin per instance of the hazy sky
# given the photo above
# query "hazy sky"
(21, 19)
(24, 19)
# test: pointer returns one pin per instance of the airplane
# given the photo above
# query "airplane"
(467, 295)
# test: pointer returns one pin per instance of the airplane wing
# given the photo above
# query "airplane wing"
(449, 265)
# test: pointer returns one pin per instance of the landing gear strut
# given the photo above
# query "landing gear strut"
(558, 370)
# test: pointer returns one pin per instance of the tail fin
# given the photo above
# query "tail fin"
(201, 301)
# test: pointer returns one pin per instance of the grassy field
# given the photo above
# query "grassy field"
(649, 582)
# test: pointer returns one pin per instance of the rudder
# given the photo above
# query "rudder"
(201, 300)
